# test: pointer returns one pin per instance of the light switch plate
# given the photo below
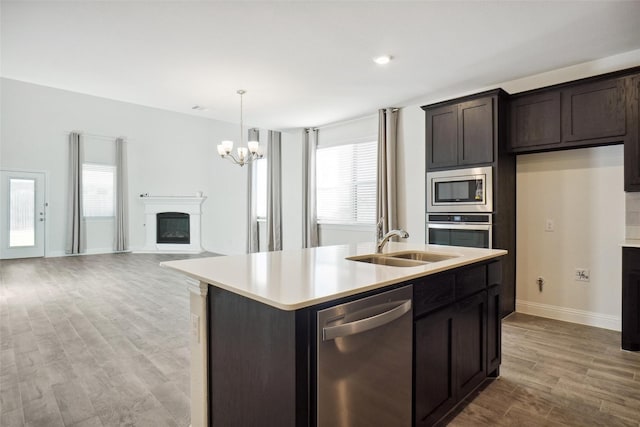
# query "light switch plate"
(549, 225)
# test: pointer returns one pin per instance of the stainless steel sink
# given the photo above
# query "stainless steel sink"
(403, 259)
(422, 256)
(387, 260)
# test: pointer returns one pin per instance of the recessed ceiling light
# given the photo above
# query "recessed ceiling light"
(199, 108)
(382, 60)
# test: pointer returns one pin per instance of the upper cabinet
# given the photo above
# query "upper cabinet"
(571, 115)
(462, 132)
(535, 121)
(593, 111)
(596, 111)
(632, 143)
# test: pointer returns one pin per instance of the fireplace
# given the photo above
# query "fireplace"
(189, 210)
(172, 227)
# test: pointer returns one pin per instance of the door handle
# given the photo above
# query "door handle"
(358, 326)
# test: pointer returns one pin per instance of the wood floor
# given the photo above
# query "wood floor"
(558, 374)
(102, 340)
(98, 340)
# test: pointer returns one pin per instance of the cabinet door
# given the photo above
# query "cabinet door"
(632, 142)
(631, 299)
(475, 132)
(470, 338)
(593, 110)
(434, 393)
(535, 120)
(494, 331)
(442, 136)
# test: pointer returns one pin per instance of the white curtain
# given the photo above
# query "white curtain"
(121, 242)
(309, 212)
(386, 202)
(274, 192)
(76, 235)
(253, 236)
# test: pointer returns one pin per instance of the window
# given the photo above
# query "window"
(98, 190)
(261, 188)
(346, 183)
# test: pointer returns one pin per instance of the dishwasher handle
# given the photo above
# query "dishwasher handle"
(352, 328)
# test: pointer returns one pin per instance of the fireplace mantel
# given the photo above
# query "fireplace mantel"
(154, 205)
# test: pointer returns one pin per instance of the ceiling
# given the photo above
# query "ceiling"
(302, 63)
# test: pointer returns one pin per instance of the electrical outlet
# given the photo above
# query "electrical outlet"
(549, 225)
(582, 275)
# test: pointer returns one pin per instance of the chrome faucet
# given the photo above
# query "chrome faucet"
(383, 239)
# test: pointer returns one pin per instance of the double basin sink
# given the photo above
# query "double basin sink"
(403, 259)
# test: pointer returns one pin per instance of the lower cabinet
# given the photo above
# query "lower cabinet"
(456, 347)
(631, 299)
(434, 368)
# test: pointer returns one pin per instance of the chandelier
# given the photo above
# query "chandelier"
(245, 154)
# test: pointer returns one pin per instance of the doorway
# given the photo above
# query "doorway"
(23, 215)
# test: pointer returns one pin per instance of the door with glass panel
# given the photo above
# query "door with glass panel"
(22, 215)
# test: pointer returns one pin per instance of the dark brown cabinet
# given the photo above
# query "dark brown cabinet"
(632, 143)
(442, 137)
(450, 357)
(470, 332)
(577, 114)
(456, 345)
(535, 120)
(631, 299)
(434, 384)
(593, 111)
(461, 133)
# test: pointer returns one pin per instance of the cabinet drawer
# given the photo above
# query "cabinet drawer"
(494, 273)
(471, 280)
(433, 293)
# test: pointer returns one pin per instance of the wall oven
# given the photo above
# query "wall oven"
(460, 190)
(470, 230)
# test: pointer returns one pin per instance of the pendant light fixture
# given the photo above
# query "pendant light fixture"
(245, 154)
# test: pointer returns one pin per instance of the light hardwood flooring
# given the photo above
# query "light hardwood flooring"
(102, 340)
(557, 374)
(98, 340)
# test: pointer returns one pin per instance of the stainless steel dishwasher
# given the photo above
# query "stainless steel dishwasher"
(365, 361)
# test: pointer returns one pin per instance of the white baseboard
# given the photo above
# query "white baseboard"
(572, 315)
(95, 251)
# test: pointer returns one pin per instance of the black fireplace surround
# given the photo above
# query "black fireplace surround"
(172, 227)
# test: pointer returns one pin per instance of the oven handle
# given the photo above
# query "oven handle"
(456, 226)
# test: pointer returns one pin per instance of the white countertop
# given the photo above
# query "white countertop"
(295, 279)
(631, 243)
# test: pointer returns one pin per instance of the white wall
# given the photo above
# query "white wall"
(169, 154)
(581, 191)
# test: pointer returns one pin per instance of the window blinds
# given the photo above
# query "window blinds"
(98, 183)
(346, 183)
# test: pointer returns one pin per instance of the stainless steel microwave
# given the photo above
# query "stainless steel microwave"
(460, 190)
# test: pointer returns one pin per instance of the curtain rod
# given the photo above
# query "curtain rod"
(95, 135)
(355, 119)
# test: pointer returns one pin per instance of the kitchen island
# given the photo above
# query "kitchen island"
(254, 318)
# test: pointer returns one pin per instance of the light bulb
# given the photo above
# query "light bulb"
(382, 60)
(242, 152)
(221, 150)
(253, 146)
(228, 146)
